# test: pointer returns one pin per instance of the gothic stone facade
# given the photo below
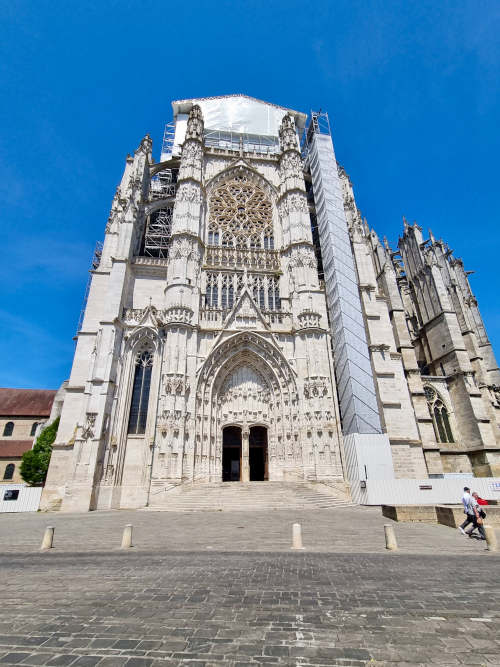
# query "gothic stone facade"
(423, 319)
(205, 350)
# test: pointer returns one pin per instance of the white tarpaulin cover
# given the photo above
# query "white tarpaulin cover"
(234, 113)
(240, 114)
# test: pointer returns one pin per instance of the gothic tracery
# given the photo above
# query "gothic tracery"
(240, 215)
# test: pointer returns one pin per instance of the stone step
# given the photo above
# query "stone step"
(249, 496)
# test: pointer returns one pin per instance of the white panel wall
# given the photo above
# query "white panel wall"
(28, 499)
(441, 491)
(367, 457)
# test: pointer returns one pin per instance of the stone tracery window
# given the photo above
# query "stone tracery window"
(439, 415)
(140, 392)
(240, 215)
(223, 290)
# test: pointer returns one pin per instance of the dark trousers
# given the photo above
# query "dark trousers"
(479, 526)
(469, 518)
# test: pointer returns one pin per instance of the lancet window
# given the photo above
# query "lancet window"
(140, 392)
(240, 215)
(439, 415)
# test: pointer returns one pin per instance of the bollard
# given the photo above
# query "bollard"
(48, 538)
(127, 536)
(297, 536)
(390, 538)
(491, 538)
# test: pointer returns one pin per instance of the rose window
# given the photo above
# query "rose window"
(240, 215)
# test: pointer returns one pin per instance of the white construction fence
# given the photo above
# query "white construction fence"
(19, 498)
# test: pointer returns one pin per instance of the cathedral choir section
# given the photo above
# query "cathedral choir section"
(205, 353)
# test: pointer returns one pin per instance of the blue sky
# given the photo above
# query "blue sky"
(412, 89)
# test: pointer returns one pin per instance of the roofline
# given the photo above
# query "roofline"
(296, 114)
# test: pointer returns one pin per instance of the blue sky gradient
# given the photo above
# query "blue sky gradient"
(412, 89)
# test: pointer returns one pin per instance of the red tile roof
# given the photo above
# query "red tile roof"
(13, 448)
(26, 402)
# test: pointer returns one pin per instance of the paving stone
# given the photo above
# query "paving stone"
(63, 659)
(37, 659)
(13, 658)
(342, 602)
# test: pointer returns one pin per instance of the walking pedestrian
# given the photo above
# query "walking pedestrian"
(466, 502)
(479, 515)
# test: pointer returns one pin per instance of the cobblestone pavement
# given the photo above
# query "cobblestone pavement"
(346, 529)
(171, 600)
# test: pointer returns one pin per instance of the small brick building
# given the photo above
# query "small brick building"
(22, 413)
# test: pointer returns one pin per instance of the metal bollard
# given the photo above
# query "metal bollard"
(127, 536)
(297, 536)
(390, 538)
(48, 538)
(491, 538)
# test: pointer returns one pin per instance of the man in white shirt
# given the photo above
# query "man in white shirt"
(468, 510)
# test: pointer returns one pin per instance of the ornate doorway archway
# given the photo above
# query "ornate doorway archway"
(231, 454)
(246, 384)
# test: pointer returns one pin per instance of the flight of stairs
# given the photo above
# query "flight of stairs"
(248, 497)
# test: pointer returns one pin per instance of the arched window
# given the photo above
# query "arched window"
(140, 392)
(34, 427)
(439, 414)
(268, 242)
(9, 471)
(8, 428)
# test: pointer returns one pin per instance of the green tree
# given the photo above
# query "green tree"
(35, 463)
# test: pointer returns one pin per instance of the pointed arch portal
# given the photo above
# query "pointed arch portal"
(247, 404)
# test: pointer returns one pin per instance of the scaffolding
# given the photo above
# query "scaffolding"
(168, 141)
(319, 124)
(234, 141)
(358, 400)
(164, 184)
(94, 265)
(158, 233)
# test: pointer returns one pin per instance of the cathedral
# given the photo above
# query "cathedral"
(244, 324)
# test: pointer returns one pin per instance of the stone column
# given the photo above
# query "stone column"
(245, 455)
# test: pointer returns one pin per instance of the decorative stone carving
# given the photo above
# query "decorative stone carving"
(88, 427)
(188, 192)
(291, 165)
(315, 387)
(177, 313)
(302, 257)
(379, 347)
(287, 134)
(194, 129)
(294, 202)
(192, 154)
(176, 384)
(309, 319)
(239, 258)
